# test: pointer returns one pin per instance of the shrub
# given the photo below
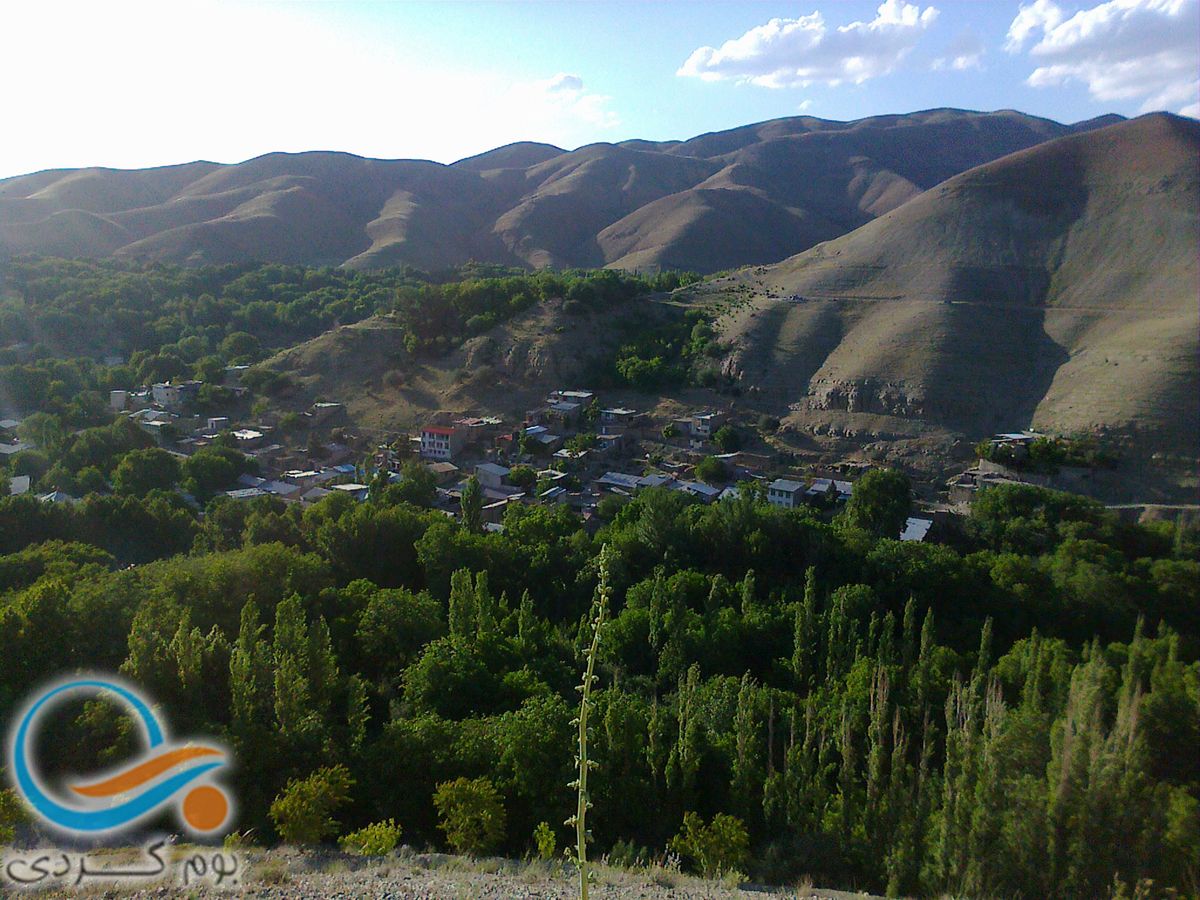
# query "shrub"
(471, 813)
(545, 841)
(718, 848)
(12, 814)
(376, 839)
(303, 811)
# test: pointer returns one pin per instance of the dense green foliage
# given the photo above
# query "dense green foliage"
(985, 717)
(437, 316)
(675, 352)
(60, 320)
(783, 692)
(1047, 454)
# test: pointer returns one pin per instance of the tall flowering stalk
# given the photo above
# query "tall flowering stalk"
(584, 765)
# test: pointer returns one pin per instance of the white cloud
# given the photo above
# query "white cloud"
(1139, 50)
(131, 84)
(966, 52)
(798, 52)
(564, 97)
(804, 105)
(1043, 14)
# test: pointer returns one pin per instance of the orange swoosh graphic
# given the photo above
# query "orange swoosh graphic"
(143, 772)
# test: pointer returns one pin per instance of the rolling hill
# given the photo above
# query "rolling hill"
(1056, 287)
(749, 195)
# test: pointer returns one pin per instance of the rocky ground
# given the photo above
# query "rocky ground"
(290, 874)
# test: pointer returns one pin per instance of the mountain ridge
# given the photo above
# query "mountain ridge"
(632, 204)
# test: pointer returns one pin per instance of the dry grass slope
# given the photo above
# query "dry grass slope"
(1056, 287)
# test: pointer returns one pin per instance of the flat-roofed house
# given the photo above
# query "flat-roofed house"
(491, 475)
(785, 493)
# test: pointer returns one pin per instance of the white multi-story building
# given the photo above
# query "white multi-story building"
(441, 442)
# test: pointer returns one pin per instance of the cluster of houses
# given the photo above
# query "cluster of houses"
(574, 445)
(961, 489)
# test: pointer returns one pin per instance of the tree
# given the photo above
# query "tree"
(712, 470)
(417, 486)
(880, 503)
(670, 431)
(213, 469)
(471, 814)
(523, 477)
(303, 811)
(141, 471)
(43, 430)
(472, 506)
(727, 439)
(240, 345)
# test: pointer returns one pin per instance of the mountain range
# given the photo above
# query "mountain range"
(750, 195)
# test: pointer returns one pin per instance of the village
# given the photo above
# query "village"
(572, 449)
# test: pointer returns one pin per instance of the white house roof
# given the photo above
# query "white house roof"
(819, 486)
(492, 469)
(57, 497)
(19, 484)
(9, 449)
(246, 493)
(697, 488)
(631, 482)
(785, 486)
(279, 487)
(915, 529)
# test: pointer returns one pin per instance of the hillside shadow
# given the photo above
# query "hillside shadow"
(994, 368)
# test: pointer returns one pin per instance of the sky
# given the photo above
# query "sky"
(136, 84)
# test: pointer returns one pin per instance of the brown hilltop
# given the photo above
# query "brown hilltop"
(748, 195)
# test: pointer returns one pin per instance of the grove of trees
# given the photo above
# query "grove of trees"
(1016, 711)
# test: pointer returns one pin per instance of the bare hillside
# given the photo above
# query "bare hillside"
(504, 372)
(1056, 287)
(749, 195)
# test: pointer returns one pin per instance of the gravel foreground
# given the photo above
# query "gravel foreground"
(292, 874)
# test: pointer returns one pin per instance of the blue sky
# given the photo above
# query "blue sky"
(131, 84)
